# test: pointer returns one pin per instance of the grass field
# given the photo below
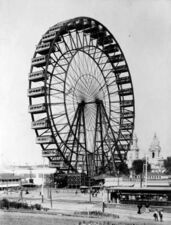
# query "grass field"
(16, 218)
(31, 219)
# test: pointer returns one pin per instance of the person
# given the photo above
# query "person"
(147, 205)
(161, 215)
(103, 207)
(139, 208)
(155, 215)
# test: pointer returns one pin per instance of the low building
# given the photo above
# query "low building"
(31, 174)
(155, 190)
(146, 196)
(152, 180)
(36, 174)
(9, 181)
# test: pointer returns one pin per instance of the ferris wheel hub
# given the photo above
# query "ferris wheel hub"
(97, 101)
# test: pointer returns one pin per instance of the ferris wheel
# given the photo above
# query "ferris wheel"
(81, 97)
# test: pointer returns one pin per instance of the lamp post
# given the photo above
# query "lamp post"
(118, 177)
(146, 178)
(145, 171)
(50, 190)
(89, 183)
(42, 190)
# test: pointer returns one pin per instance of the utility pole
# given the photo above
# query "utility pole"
(103, 201)
(42, 191)
(118, 177)
(51, 197)
(50, 191)
(146, 172)
(89, 183)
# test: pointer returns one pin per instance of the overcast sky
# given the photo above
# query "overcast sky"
(143, 30)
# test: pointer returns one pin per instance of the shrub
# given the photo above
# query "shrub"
(5, 203)
(25, 206)
(38, 206)
(13, 204)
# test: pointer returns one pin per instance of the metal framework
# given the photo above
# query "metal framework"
(81, 97)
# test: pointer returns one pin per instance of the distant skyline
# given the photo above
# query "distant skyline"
(143, 30)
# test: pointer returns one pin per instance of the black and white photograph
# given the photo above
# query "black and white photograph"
(85, 105)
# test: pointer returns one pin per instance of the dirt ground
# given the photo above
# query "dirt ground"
(64, 205)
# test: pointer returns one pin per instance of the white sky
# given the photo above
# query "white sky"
(143, 30)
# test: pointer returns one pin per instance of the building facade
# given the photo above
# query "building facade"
(9, 181)
(133, 154)
(154, 156)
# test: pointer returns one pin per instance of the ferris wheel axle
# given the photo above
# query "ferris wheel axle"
(97, 101)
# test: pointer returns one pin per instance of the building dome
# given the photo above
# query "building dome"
(155, 145)
(154, 156)
(133, 154)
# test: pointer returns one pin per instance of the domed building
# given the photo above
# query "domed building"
(133, 154)
(154, 155)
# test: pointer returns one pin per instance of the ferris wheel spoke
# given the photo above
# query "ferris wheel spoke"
(85, 61)
(66, 56)
(58, 78)
(79, 87)
(97, 90)
(54, 57)
(115, 113)
(53, 90)
(79, 43)
(56, 83)
(45, 131)
(72, 42)
(66, 45)
(81, 63)
(60, 66)
(100, 57)
(92, 64)
(74, 70)
(57, 90)
(74, 64)
(86, 41)
(93, 89)
(112, 84)
(95, 65)
(82, 85)
(63, 128)
(96, 68)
